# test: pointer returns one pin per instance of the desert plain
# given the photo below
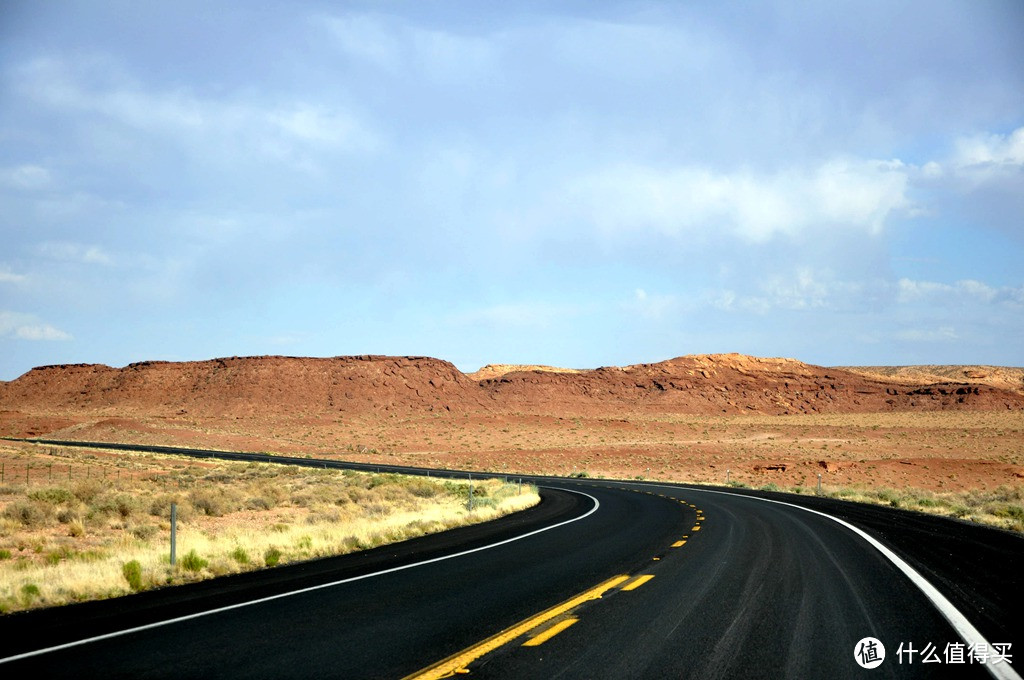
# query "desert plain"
(704, 419)
(80, 523)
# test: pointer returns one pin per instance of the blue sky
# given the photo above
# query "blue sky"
(570, 183)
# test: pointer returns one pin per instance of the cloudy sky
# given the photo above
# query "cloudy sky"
(572, 183)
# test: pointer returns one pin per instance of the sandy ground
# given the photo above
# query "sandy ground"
(938, 451)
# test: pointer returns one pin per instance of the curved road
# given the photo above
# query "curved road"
(602, 580)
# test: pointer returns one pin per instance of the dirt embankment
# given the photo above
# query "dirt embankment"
(380, 385)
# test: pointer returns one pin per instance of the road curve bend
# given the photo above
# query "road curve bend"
(604, 579)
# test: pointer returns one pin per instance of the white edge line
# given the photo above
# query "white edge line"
(239, 605)
(968, 633)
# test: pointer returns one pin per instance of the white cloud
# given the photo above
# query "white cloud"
(967, 291)
(396, 46)
(854, 195)
(62, 85)
(74, 252)
(988, 170)
(514, 315)
(198, 122)
(7, 276)
(28, 177)
(652, 306)
(800, 292)
(322, 125)
(365, 37)
(928, 335)
(801, 289)
(28, 327)
(1005, 150)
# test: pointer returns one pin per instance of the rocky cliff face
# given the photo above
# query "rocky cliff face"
(706, 384)
(249, 384)
(733, 383)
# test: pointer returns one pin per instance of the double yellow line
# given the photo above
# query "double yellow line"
(457, 662)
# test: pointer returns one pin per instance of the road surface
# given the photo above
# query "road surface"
(602, 580)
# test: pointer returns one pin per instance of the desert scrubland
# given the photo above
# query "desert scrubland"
(78, 524)
(948, 440)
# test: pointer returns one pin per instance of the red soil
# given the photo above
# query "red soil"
(687, 418)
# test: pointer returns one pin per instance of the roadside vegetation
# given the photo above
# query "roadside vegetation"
(1002, 507)
(100, 526)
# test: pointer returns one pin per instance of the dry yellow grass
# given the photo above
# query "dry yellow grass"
(1002, 507)
(65, 541)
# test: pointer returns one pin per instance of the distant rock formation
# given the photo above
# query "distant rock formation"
(701, 384)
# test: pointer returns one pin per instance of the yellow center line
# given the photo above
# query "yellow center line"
(695, 528)
(549, 633)
(679, 544)
(637, 582)
(457, 662)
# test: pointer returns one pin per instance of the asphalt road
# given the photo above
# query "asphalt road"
(696, 584)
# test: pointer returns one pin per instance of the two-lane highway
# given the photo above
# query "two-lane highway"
(602, 580)
(763, 590)
(386, 622)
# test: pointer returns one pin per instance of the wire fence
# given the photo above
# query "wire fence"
(45, 473)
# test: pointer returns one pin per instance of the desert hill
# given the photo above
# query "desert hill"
(247, 385)
(702, 384)
(497, 370)
(676, 419)
(1003, 377)
(735, 383)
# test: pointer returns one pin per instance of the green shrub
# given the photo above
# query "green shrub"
(1010, 511)
(160, 506)
(122, 505)
(54, 557)
(272, 556)
(893, 498)
(240, 555)
(144, 532)
(422, 488)
(29, 592)
(54, 496)
(5, 554)
(29, 513)
(87, 490)
(213, 502)
(132, 572)
(259, 503)
(193, 562)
